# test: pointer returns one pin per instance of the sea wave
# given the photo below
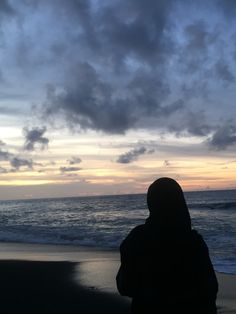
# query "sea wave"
(213, 205)
(105, 221)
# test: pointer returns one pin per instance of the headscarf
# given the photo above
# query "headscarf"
(167, 206)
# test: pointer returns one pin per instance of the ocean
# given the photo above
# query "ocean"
(103, 221)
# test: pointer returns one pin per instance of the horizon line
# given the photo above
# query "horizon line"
(108, 195)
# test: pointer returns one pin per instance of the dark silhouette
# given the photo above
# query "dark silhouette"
(165, 265)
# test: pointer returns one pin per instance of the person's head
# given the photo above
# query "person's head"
(167, 206)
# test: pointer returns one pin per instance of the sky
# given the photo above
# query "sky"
(103, 97)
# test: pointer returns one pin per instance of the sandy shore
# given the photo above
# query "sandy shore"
(60, 279)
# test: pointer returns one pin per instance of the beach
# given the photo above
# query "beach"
(62, 279)
(50, 279)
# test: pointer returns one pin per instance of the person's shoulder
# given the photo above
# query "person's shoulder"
(138, 229)
(196, 235)
(135, 234)
(198, 240)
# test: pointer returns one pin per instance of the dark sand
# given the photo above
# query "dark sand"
(48, 287)
(58, 279)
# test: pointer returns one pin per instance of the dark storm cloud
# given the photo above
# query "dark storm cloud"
(133, 155)
(197, 124)
(224, 137)
(223, 71)
(228, 7)
(124, 65)
(120, 29)
(123, 81)
(34, 137)
(74, 160)
(136, 29)
(90, 102)
(199, 38)
(176, 106)
(192, 123)
(6, 8)
(200, 35)
(207, 58)
(127, 83)
(108, 33)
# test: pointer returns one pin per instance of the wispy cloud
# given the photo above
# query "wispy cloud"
(69, 169)
(133, 155)
(4, 170)
(167, 163)
(74, 160)
(15, 161)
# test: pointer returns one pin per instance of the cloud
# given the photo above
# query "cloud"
(74, 160)
(6, 8)
(133, 155)
(192, 123)
(34, 137)
(228, 7)
(112, 90)
(139, 61)
(69, 169)
(167, 163)
(136, 29)
(17, 163)
(196, 51)
(3, 170)
(88, 102)
(223, 71)
(198, 37)
(123, 65)
(8, 111)
(117, 29)
(5, 155)
(2, 143)
(223, 137)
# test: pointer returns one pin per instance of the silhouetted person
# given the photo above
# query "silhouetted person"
(165, 265)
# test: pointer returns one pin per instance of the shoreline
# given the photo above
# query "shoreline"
(75, 278)
(57, 252)
(38, 278)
